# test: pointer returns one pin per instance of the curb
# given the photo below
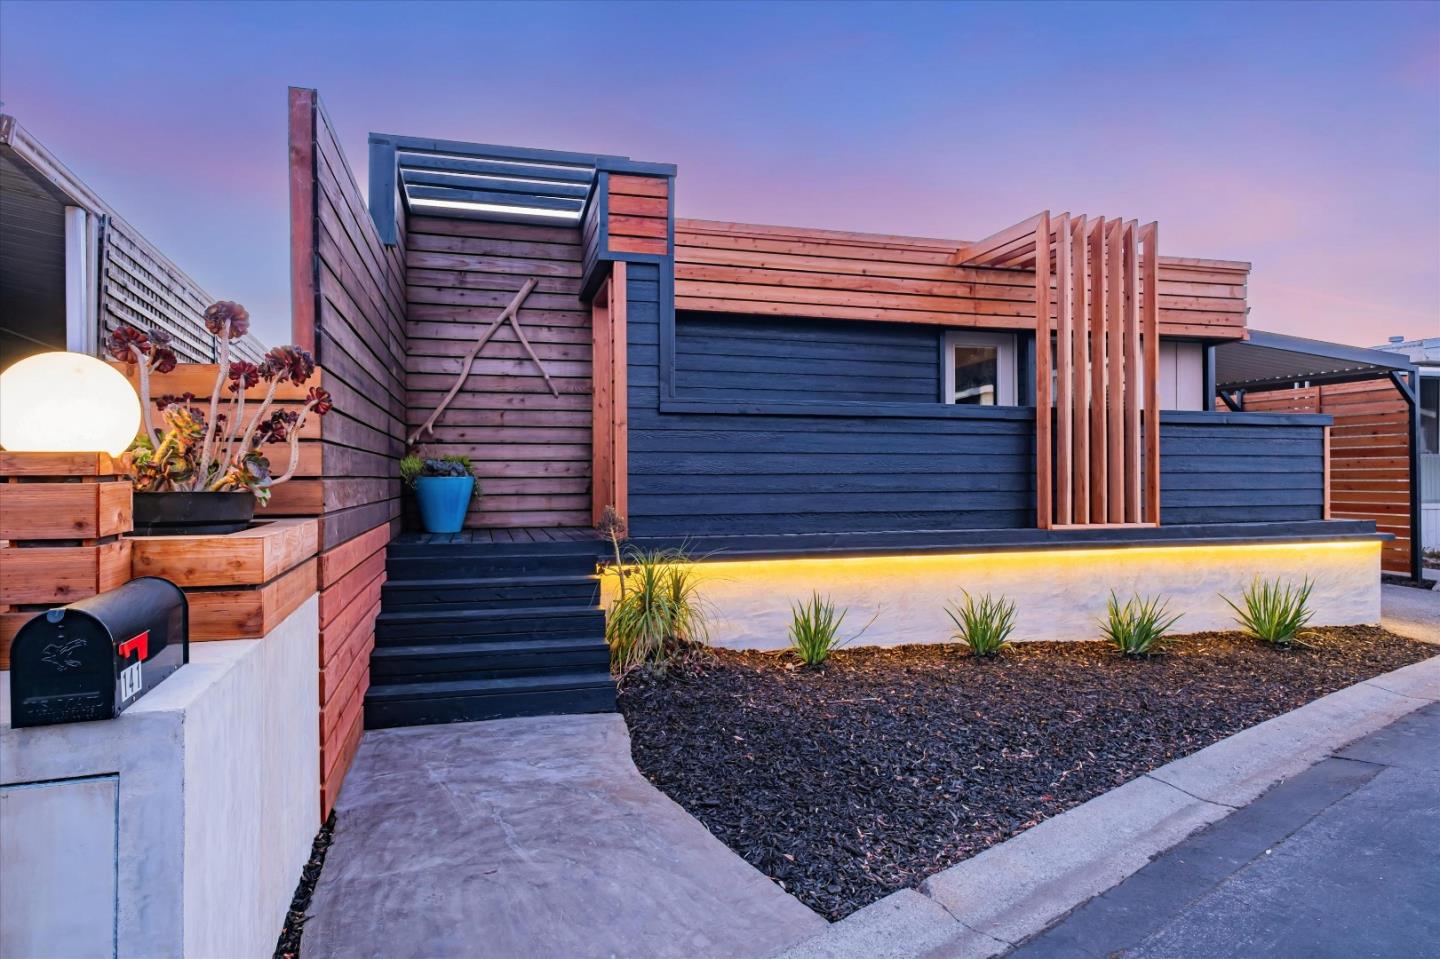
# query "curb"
(985, 905)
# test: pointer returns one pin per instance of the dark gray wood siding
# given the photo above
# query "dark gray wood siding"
(707, 474)
(1223, 468)
(737, 451)
(751, 358)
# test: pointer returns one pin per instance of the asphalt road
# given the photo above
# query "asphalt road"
(1341, 861)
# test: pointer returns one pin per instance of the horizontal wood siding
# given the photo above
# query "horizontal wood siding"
(759, 463)
(746, 358)
(351, 303)
(639, 214)
(531, 448)
(1228, 473)
(782, 271)
(700, 474)
(1369, 455)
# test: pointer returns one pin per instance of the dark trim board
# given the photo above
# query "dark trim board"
(917, 542)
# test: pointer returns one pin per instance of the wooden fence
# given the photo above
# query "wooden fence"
(348, 305)
(1369, 455)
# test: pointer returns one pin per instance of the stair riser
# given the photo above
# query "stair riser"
(451, 550)
(461, 709)
(462, 567)
(438, 596)
(512, 627)
(473, 665)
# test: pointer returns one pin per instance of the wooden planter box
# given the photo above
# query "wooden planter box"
(240, 585)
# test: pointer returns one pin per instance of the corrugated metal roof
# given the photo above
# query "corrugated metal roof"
(1277, 360)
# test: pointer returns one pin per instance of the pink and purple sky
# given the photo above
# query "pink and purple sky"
(1302, 137)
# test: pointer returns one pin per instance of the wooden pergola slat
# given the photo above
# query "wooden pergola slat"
(1097, 452)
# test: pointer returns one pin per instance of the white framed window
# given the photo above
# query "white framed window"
(980, 368)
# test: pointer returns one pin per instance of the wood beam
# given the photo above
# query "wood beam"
(1080, 381)
(1064, 376)
(981, 250)
(1044, 452)
(1115, 395)
(1150, 322)
(1132, 375)
(1099, 377)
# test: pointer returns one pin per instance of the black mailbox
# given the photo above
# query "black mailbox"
(93, 658)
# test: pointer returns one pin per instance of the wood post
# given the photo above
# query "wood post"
(62, 520)
(610, 440)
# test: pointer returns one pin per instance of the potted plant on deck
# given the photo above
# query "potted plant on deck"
(200, 466)
(443, 489)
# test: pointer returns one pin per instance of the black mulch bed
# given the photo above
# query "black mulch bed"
(851, 781)
(289, 945)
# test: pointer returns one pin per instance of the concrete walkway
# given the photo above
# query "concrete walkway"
(1411, 612)
(1339, 861)
(528, 839)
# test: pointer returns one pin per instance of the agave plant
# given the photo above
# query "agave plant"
(983, 624)
(1138, 626)
(187, 446)
(1274, 612)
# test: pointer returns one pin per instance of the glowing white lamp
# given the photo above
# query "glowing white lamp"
(67, 403)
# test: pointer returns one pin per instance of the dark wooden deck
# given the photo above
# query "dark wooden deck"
(499, 534)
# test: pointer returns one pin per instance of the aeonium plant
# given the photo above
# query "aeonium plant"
(186, 446)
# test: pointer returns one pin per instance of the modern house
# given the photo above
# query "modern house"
(887, 419)
(72, 270)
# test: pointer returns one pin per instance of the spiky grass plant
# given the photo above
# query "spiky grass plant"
(815, 629)
(1138, 626)
(660, 616)
(983, 624)
(1274, 612)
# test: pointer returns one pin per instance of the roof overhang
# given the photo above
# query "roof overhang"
(1277, 361)
(480, 181)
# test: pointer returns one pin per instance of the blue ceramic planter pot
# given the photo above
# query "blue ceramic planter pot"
(443, 501)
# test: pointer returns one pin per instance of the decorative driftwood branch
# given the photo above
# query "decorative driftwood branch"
(508, 314)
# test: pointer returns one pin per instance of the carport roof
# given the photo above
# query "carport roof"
(1271, 360)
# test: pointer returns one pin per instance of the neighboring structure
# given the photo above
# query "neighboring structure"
(801, 408)
(1425, 354)
(1373, 461)
(71, 270)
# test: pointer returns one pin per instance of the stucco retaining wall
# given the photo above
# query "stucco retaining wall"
(205, 789)
(1059, 594)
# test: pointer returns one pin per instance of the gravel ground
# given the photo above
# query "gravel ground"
(864, 776)
(288, 946)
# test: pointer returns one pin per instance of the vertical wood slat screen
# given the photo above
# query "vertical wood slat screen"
(609, 397)
(1098, 457)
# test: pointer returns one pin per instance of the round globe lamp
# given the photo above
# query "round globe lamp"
(67, 403)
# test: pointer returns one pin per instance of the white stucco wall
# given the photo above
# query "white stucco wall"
(217, 779)
(1059, 594)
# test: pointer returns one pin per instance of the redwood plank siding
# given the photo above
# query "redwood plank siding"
(1369, 452)
(779, 271)
(349, 305)
(532, 449)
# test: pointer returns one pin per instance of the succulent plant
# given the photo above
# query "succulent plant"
(217, 450)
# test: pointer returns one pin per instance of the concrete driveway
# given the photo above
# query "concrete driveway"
(528, 839)
(1411, 612)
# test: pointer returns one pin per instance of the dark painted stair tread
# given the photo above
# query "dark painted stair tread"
(518, 646)
(551, 580)
(490, 687)
(399, 617)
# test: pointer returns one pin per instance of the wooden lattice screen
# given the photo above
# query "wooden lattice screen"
(1097, 292)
